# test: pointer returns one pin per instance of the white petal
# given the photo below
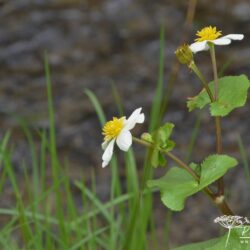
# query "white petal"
(221, 41)
(135, 117)
(124, 140)
(105, 144)
(107, 155)
(199, 46)
(234, 36)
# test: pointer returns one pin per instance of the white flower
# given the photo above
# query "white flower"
(118, 130)
(210, 34)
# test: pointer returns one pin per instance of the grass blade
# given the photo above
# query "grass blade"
(244, 159)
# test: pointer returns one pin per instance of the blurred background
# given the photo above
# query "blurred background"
(94, 43)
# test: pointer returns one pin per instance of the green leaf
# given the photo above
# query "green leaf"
(232, 94)
(169, 145)
(162, 160)
(214, 167)
(147, 137)
(196, 168)
(229, 241)
(198, 101)
(177, 184)
(155, 157)
(158, 159)
(160, 140)
(164, 133)
(175, 187)
(161, 136)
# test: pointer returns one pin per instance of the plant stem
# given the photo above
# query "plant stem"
(219, 201)
(217, 118)
(213, 58)
(170, 155)
(218, 135)
(201, 77)
(222, 205)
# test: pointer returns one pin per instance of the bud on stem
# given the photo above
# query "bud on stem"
(184, 54)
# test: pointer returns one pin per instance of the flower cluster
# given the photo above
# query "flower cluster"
(230, 221)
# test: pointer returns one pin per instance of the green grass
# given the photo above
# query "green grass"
(244, 159)
(44, 214)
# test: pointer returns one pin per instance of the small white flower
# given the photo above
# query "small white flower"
(118, 130)
(210, 34)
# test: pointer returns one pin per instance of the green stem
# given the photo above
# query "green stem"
(219, 201)
(170, 155)
(217, 118)
(201, 77)
(218, 135)
(213, 58)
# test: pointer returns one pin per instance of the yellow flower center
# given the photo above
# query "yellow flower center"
(207, 33)
(112, 128)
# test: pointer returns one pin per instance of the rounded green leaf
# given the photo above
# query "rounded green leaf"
(177, 184)
(232, 94)
(215, 166)
(175, 187)
(230, 240)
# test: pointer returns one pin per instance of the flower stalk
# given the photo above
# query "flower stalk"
(217, 118)
(170, 155)
(201, 77)
(213, 58)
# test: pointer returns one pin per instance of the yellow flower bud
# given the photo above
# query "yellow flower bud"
(184, 54)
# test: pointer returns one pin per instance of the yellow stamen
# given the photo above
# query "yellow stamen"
(112, 128)
(207, 33)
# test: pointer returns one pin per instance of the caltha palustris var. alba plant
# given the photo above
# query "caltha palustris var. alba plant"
(222, 95)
